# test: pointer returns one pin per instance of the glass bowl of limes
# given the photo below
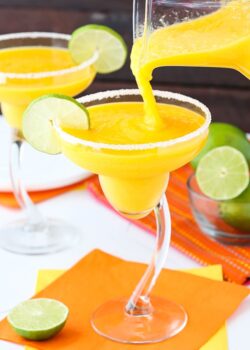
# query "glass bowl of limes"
(219, 189)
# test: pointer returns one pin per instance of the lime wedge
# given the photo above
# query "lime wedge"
(223, 173)
(109, 45)
(41, 115)
(38, 319)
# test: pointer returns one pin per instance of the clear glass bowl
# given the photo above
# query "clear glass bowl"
(225, 221)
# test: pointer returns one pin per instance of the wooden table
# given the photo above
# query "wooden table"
(225, 92)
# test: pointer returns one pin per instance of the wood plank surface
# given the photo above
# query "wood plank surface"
(35, 18)
(226, 92)
(77, 4)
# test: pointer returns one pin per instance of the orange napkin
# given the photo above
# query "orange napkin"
(218, 341)
(7, 199)
(99, 277)
(186, 235)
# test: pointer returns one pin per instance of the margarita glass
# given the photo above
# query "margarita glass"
(31, 65)
(134, 178)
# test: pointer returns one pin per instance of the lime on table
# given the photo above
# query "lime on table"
(223, 173)
(107, 43)
(42, 114)
(38, 319)
(236, 212)
(224, 134)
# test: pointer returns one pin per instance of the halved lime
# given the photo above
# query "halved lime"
(42, 113)
(38, 319)
(223, 173)
(224, 134)
(109, 45)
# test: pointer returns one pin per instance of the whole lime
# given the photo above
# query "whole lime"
(236, 212)
(224, 134)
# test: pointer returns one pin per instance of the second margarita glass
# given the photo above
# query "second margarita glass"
(31, 65)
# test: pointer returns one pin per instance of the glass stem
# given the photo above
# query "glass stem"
(139, 302)
(33, 215)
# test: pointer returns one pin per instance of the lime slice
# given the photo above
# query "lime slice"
(38, 319)
(41, 115)
(224, 134)
(223, 173)
(109, 45)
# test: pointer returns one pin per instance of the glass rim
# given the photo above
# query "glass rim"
(48, 74)
(195, 4)
(138, 146)
(195, 192)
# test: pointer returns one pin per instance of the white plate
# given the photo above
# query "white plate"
(40, 171)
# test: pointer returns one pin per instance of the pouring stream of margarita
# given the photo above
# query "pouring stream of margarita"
(220, 39)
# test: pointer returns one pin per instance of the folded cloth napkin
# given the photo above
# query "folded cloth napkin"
(218, 341)
(7, 199)
(99, 277)
(186, 235)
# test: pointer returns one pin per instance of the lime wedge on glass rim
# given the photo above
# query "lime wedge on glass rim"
(109, 45)
(38, 319)
(41, 115)
(223, 173)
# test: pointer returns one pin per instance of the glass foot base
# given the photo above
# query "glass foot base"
(166, 320)
(50, 237)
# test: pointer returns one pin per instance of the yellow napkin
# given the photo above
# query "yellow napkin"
(218, 341)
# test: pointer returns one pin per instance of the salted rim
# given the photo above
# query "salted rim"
(39, 75)
(142, 146)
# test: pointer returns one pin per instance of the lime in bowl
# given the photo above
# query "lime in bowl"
(226, 221)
